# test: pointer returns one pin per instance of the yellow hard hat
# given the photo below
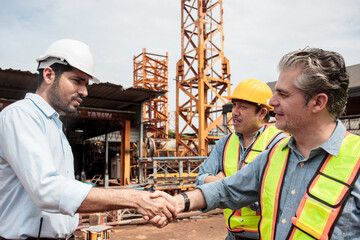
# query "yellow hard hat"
(252, 90)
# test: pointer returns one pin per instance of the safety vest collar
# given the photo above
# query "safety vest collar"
(262, 142)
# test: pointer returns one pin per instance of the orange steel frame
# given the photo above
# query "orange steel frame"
(125, 153)
(151, 72)
(203, 77)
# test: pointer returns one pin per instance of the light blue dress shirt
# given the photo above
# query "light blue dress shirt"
(242, 188)
(214, 164)
(36, 173)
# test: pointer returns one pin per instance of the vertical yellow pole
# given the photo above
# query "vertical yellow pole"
(125, 153)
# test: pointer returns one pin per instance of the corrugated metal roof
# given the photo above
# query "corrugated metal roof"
(354, 74)
(102, 111)
(14, 84)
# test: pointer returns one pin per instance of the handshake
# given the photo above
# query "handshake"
(159, 208)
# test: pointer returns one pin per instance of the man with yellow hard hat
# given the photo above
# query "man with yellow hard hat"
(253, 134)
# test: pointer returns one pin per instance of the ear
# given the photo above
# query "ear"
(48, 75)
(319, 102)
(262, 113)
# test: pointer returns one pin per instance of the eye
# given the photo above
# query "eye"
(281, 94)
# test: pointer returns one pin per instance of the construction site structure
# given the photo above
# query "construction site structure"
(203, 77)
(151, 72)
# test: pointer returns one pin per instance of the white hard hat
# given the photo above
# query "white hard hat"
(77, 54)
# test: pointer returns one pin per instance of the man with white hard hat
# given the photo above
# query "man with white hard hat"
(40, 198)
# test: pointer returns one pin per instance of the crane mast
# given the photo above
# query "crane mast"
(202, 79)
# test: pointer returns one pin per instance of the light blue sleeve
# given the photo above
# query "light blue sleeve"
(236, 191)
(213, 164)
(25, 147)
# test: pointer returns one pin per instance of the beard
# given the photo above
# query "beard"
(59, 99)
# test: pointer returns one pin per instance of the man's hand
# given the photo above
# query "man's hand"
(150, 207)
(218, 176)
(197, 201)
(159, 210)
(161, 221)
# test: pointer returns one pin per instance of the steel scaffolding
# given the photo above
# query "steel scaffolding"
(151, 72)
(203, 77)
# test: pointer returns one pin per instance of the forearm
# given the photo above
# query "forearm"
(109, 199)
(196, 198)
(99, 200)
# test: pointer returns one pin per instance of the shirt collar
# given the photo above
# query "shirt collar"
(332, 145)
(45, 108)
(256, 135)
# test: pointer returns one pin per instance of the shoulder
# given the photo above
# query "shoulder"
(221, 142)
(20, 113)
(25, 106)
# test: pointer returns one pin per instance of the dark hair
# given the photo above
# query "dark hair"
(322, 72)
(58, 68)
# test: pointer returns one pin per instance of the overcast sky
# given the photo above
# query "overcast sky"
(257, 33)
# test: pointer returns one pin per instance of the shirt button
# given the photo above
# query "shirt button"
(293, 192)
(301, 164)
(283, 220)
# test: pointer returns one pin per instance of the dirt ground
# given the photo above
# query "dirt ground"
(210, 227)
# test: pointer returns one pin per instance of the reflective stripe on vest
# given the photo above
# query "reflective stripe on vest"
(326, 194)
(244, 219)
(269, 198)
(262, 143)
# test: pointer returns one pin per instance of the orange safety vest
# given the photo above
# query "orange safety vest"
(324, 199)
(244, 219)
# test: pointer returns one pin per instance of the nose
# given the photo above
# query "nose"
(273, 101)
(83, 91)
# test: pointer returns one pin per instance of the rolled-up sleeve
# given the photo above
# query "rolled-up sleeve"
(213, 164)
(236, 191)
(73, 196)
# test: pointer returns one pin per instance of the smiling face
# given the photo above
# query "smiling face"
(288, 101)
(66, 93)
(245, 117)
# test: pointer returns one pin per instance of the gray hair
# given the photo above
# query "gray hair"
(322, 72)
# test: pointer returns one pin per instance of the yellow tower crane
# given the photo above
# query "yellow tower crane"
(203, 77)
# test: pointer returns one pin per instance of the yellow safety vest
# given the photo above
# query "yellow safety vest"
(324, 199)
(244, 219)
